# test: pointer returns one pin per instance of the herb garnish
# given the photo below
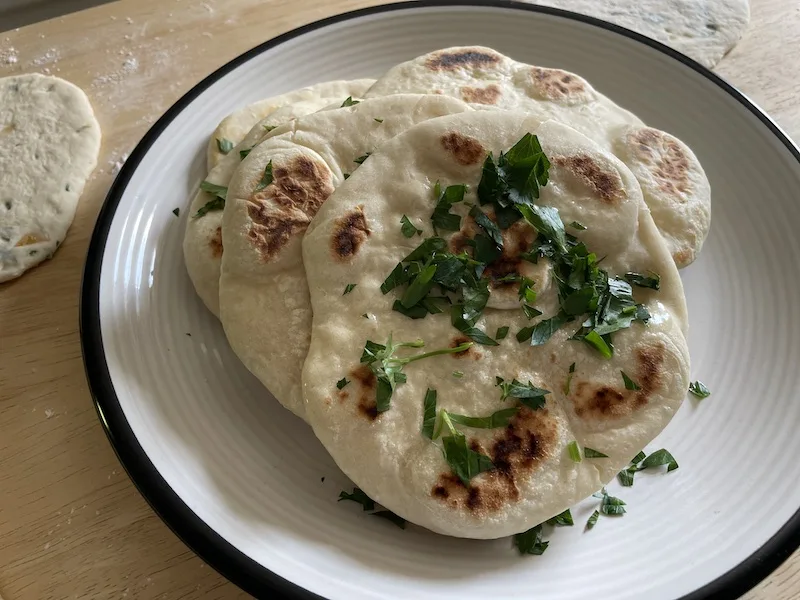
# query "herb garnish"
(176, 212)
(592, 453)
(530, 542)
(574, 451)
(442, 218)
(699, 390)
(266, 178)
(346, 175)
(349, 288)
(464, 462)
(224, 145)
(562, 519)
(341, 383)
(578, 226)
(360, 497)
(641, 462)
(429, 414)
(408, 228)
(569, 379)
(653, 281)
(244, 153)
(220, 191)
(268, 128)
(218, 203)
(500, 418)
(349, 102)
(377, 120)
(630, 384)
(458, 374)
(502, 332)
(593, 519)
(609, 505)
(389, 369)
(360, 160)
(530, 395)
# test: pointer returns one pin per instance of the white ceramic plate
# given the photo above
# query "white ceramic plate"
(240, 479)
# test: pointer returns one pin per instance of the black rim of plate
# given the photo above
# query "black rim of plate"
(220, 554)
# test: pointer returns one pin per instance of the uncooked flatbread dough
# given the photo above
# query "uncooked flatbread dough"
(705, 30)
(49, 141)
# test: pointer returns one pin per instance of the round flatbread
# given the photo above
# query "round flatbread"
(202, 241)
(264, 305)
(487, 78)
(49, 141)
(235, 126)
(516, 471)
(704, 30)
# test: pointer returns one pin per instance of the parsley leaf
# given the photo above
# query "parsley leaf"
(464, 462)
(530, 395)
(176, 212)
(574, 451)
(625, 477)
(592, 453)
(459, 322)
(544, 330)
(390, 516)
(429, 413)
(578, 226)
(609, 505)
(419, 288)
(569, 379)
(266, 178)
(563, 519)
(388, 368)
(502, 332)
(360, 160)
(215, 204)
(593, 519)
(546, 221)
(699, 389)
(349, 102)
(360, 497)
(377, 120)
(220, 191)
(349, 288)
(630, 384)
(442, 218)
(488, 226)
(224, 145)
(341, 383)
(244, 153)
(530, 542)
(500, 418)
(268, 128)
(408, 228)
(653, 281)
(659, 458)
(596, 341)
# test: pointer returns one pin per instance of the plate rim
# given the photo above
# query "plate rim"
(212, 548)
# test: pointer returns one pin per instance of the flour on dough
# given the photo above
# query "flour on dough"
(49, 141)
(705, 30)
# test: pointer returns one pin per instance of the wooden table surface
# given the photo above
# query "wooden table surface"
(72, 525)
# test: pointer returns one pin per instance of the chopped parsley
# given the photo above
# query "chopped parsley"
(360, 497)
(593, 519)
(699, 389)
(592, 453)
(652, 281)
(220, 191)
(341, 383)
(224, 145)
(176, 212)
(408, 229)
(500, 418)
(377, 120)
(609, 505)
(346, 175)
(578, 226)
(349, 288)
(530, 542)
(442, 218)
(502, 332)
(360, 160)
(429, 414)
(563, 519)
(458, 374)
(349, 102)
(630, 384)
(268, 128)
(574, 451)
(530, 395)
(266, 178)
(641, 461)
(244, 153)
(569, 379)
(464, 462)
(217, 203)
(388, 368)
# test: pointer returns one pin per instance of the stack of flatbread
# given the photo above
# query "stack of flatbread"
(462, 275)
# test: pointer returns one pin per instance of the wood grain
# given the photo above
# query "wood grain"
(71, 523)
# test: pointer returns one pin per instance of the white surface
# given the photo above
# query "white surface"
(252, 471)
